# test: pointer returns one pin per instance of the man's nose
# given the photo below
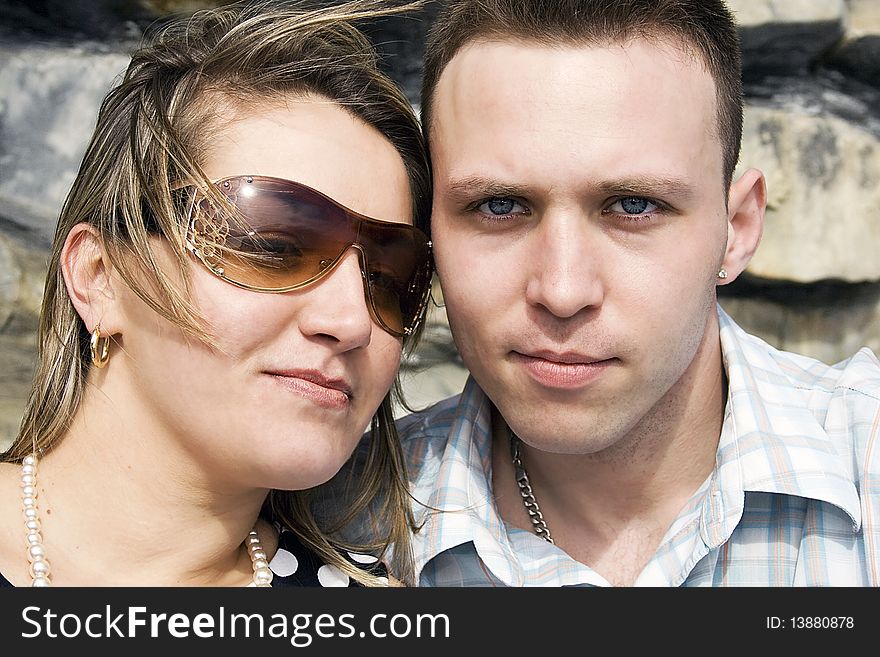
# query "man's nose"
(565, 273)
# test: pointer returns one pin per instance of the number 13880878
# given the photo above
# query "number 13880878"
(810, 623)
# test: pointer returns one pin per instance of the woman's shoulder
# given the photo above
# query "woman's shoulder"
(296, 564)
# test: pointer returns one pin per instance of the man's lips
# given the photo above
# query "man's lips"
(328, 392)
(563, 370)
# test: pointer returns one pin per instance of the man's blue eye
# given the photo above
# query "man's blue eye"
(634, 205)
(500, 205)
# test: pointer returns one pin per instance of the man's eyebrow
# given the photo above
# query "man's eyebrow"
(653, 187)
(658, 187)
(481, 186)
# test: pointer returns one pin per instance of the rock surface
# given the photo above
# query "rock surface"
(823, 181)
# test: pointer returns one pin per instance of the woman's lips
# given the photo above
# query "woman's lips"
(333, 393)
(562, 370)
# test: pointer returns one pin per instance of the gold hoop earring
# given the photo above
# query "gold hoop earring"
(100, 347)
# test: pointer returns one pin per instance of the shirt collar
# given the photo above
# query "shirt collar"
(771, 440)
(458, 493)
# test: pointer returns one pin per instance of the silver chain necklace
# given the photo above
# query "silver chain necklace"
(525, 489)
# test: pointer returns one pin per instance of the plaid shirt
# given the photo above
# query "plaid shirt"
(794, 499)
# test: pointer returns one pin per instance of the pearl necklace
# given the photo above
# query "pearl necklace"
(525, 490)
(39, 568)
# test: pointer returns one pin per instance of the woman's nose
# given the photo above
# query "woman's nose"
(336, 306)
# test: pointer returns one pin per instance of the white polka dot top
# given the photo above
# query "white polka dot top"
(296, 565)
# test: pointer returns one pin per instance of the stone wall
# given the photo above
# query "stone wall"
(812, 75)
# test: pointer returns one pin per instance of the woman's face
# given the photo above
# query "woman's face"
(297, 376)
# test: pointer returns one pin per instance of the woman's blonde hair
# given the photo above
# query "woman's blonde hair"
(154, 130)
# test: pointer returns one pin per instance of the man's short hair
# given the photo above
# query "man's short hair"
(705, 28)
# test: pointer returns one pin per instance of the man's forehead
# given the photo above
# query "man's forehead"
(514, 50)
(550, 114)
(522, 80)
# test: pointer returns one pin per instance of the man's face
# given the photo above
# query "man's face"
(579, 224)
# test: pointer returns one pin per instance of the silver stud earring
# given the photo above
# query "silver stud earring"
(722, 273)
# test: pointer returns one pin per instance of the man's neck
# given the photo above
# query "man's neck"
(611, 509)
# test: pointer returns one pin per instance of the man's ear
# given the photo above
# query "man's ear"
(746, 203)
(88, 276)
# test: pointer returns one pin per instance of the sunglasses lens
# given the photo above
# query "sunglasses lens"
(280, 235)
(397, 272)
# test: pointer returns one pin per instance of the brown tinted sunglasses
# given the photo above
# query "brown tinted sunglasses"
(276, 235)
